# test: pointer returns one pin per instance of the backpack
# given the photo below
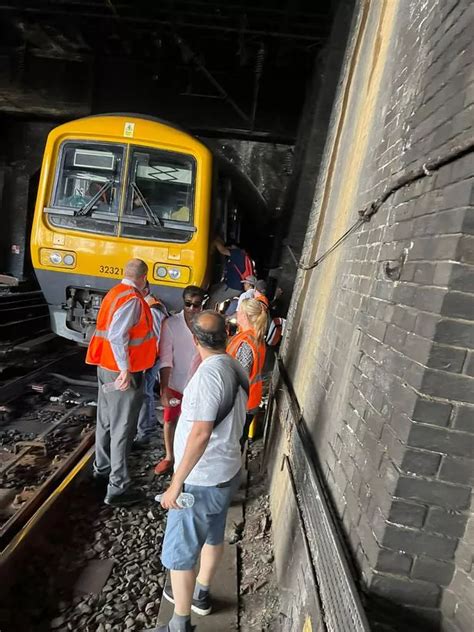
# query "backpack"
(248, 267)
(275, 331)
(238, 266)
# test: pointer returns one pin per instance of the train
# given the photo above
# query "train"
(117, 186)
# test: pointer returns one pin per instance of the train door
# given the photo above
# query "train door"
(229, 219)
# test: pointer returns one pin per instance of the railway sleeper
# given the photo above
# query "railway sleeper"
(32, 445)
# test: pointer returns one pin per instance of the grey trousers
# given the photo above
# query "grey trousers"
(117, 416)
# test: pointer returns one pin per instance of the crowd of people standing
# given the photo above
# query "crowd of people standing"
(210, 387)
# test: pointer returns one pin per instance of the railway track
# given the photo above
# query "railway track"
(46, 437)
(22, 314)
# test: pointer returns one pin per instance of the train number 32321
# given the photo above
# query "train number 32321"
(111, 270)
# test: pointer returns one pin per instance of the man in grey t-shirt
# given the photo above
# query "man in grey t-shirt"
(207, 465)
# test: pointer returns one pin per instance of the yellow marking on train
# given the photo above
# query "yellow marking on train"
(94, 248)
(129, 130)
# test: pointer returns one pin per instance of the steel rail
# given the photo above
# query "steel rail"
(20, 517)
(41, 436)
(24, 536)
(12, 388)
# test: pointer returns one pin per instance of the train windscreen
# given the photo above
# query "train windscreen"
(86, 194)
(160, 201)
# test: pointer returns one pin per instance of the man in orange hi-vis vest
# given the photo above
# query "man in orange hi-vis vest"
(123, 347)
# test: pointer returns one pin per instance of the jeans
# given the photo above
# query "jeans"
(187, 530)
(147, 422)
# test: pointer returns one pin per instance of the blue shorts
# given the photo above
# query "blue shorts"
(187, 530)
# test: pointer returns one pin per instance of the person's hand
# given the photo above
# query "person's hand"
(278, 292)
(166, 395)
(169, 498)
(123, 380)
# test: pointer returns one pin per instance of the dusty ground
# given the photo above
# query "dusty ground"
(45, 596)
(259, 605)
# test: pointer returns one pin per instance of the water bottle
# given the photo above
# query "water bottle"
(109, 387)
(174, 401)
(184, 500)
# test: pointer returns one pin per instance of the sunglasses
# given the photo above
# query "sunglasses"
(192, 304)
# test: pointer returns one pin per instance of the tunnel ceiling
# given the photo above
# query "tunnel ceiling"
(212, 66)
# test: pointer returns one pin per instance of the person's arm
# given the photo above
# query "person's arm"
(123, 320)
(244, 357)
(195, 447)
(204, 408)
(165, 375)
(221, 247)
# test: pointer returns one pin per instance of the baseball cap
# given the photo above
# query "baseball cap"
(261, 286)
(251, 279)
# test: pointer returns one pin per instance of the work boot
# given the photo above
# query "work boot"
(140, 444)
(126, 498)
(201, 605)
(100, 479)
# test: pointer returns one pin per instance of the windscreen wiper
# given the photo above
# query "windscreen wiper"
(154, 219)
(88, 206)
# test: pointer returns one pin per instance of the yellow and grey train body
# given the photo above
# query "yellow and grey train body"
(114, 187)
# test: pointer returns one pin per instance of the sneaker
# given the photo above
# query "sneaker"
(126, 498)
(202, 605)
(166, 628)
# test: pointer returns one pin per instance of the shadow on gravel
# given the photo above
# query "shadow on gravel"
(42, 596)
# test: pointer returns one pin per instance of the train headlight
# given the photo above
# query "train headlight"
(174, 273)
(179, 274)
(68, 260)
(56, 258)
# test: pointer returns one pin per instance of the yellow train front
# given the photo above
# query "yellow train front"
(114, 187)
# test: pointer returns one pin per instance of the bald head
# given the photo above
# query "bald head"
(136, 270)
(210, 331)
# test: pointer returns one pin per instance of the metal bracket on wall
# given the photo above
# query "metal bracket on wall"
(394, 272)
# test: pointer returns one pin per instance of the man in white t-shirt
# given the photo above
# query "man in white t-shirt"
(178, 359)
(207, 465)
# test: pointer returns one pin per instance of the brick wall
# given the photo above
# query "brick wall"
(383, 366)
(311, 139)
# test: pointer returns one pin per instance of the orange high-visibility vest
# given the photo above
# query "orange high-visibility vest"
(154, 303)
(142, 340)
(258, 352)
(263, 299)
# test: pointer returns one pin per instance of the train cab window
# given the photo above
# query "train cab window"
(160, 202)
(87, 191)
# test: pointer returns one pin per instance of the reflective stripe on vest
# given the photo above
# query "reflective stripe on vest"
(255, 377)
(142, 341)
(131, 343)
